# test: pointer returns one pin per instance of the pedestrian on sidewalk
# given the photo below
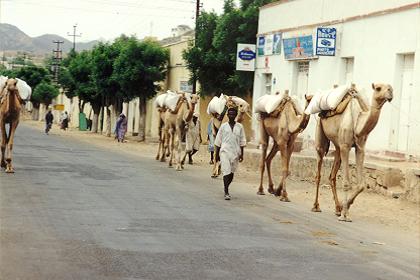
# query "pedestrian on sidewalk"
(193, 137)
(49, 118)
(64, 121)
(210, 139)
(121, 128)
(229, 143)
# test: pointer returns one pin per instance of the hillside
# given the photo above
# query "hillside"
(13, 39)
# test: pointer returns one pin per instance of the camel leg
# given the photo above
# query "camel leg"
(160, 143)
(283, 154)
(285, 166)
(344, 153)
(171, 146)
(322, 146)
(268, 161)
(264, 143)
(9, 148)
(3, 145)
(179, 145)
(333, 181)
(360, 156)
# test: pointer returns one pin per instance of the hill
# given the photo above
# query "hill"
(14, 39)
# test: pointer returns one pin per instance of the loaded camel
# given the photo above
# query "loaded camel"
(347, 129)
(161, 126)
(176, 126)
(283, 125)
(10, 107)
(217, 120)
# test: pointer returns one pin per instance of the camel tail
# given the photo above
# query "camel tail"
(327, 148)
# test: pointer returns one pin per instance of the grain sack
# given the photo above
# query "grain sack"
(25, 90)
(171, 100)
(216, 105)
(268, 103)
(326, 99)
(160, 100)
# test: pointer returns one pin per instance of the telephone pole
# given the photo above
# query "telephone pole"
(74, 35)
(197, 14)
(57, 56)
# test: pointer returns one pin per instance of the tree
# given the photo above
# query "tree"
(44, 93)
(213, 56)
(138, 69)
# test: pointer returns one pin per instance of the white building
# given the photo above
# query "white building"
(377, 41)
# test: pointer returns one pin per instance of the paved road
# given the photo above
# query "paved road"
(73, 211)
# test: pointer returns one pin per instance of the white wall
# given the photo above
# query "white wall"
(376, 43)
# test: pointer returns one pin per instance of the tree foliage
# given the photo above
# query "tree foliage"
(45, 93)
(212, 58)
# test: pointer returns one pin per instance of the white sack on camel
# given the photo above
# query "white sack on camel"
(160, 100)
(25, 90)
(171, 100)
(326, 99)
(216, 105)
(268, 103)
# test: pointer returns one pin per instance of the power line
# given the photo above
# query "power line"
(197, 14)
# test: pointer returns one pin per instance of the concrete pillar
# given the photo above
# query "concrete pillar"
(130, 117)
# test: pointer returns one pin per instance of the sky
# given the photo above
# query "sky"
(102, 19)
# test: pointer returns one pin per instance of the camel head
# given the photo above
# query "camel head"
(382, 93)
(11, 85)
(194, 98)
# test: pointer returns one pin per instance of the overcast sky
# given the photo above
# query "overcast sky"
(102, 19)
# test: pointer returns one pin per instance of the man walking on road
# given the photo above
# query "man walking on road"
(230, 142)
(49, 118)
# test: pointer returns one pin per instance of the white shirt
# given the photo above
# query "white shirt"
(230, 141)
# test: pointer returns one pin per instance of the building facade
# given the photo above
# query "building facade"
(376, 42)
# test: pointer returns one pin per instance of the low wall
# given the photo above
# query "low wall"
(380, 178)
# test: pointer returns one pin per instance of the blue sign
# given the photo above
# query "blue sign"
(261, 45)
(246, 54)
(298, 47)
(276, 43)
(325, 41)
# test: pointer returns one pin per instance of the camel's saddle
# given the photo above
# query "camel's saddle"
(351, 93)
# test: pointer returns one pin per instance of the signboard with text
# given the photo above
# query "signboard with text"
(325, 41)
(298, 47)
(277, 43)
(245, 57)
(261, 43)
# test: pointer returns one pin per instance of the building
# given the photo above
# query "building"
(376, 41)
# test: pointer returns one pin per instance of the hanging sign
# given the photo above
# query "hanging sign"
(277, 43)
(245, 57)
(261, 43)
(325, 41)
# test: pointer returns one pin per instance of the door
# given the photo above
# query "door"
(302, 79)
(405, 107)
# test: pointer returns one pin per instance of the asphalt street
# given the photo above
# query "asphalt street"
(77, 211)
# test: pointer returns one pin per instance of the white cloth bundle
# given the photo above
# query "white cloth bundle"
(326, 99)
(268, 103)
(25, 90)
(171, 100)
(216, 105)
(160, 100)
(3, 80)
(239, 101)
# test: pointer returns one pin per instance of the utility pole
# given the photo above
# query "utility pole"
(57, 56)
(197, 14)
(74, 35)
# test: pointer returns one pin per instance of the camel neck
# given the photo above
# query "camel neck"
(190, 112)
(372, 119)
(296, 122)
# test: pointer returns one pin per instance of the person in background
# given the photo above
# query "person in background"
(64, 120)
(230, 142)
(193, 138)
(121, 128)
(210, 139)
(49, 118)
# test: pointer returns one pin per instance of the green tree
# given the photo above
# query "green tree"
(44, 93)
(138, 69)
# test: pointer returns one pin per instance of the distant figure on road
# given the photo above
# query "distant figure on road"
(210, 139)
(121, 128)
(230, 142)
(193, 138)
(49, 118)
(64, 121)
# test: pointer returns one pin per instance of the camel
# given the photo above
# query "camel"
(176, 126)
(283, 126)
(10, 107)
(217, 120)
(348, 129)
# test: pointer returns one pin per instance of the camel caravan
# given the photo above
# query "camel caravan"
(13, 93)
(344, 118)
